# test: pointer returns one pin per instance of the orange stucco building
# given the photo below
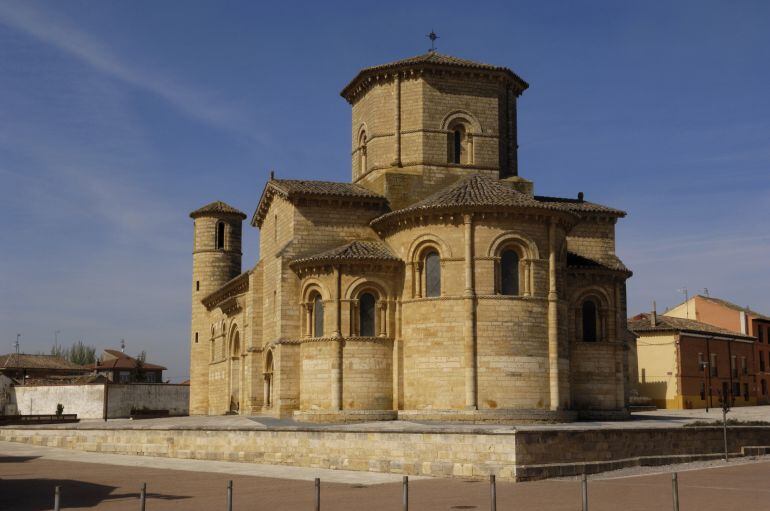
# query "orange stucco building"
(743, 320)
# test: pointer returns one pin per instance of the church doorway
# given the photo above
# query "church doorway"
(268, 398)
(235, 373)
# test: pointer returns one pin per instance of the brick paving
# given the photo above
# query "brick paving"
(27, 481)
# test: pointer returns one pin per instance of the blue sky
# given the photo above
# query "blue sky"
(118, 118)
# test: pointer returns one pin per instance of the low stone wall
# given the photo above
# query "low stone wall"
(121, 399)
(522, 454)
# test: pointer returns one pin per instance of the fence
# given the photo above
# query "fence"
(58, 500)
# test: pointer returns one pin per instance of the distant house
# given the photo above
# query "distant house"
(684, 363)
(22, 366)
(118, 367)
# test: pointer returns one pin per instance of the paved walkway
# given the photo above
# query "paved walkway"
(28, 476)
(654, 419)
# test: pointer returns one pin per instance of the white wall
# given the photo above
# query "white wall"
(87, 401)
(149, 396)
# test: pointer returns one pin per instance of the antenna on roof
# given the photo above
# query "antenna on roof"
(432, 36)
(706, 291)
(686, 299)
(122, 345)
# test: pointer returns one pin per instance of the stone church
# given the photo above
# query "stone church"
(433, 285)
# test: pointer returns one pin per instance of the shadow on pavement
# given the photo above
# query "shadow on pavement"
(17, 459)
(38, 494)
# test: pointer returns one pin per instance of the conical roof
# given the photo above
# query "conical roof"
(217, 208)
(429, 60)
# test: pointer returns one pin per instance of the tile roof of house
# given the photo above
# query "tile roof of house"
(735, 306)
(26, 361)
(357, 250)
(118, 360)
(290, 189)
(432, 59)
(610, 263)
(474, 191)
(579, 205)
(642, 323)
(217, 208)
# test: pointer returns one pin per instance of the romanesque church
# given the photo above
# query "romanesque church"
(435, 285)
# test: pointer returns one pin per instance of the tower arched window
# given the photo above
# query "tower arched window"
(220, 241)
(509, 273)
(367, 303)
(458, 142)
(590, 321)
(362, 153)
(432, 274)
(318, 316)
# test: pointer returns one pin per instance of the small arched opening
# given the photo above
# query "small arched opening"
(220, 239)
(367, 314)
(590, 317)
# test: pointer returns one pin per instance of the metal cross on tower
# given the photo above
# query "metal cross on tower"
(432, 36)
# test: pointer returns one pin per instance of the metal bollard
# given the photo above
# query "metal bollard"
(675, 490)
(230, 495)
(492, 493)
(143, 497)
(584, 491)
(317, 494)
(406, 493)
(57, 498)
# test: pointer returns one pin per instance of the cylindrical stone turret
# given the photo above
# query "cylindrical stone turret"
(216, 260)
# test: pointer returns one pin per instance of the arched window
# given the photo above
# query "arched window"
(590, 321)
(318, 316)
(432, 274)
(509, 273)
(220, 235)
(458, 143)
(362, 153)
(236, 345)
(366, 314)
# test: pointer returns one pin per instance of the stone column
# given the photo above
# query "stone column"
(418, 279)
(383, 319)
(337, 304)
(354, 327)
(308, 319)
(397, 122)
(469, 327)
(336, 370)
(397, 344)
(553, 319)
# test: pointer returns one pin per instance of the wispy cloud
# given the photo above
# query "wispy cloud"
(56, 31)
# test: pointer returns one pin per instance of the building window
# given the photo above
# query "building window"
(197, 285)
(458, 144)
(366, 314)
(362, 153)
(736, 389)
(764, 387)
(745, 391)
(124, 377)
(220, 235)
(761, 361)
(734, 366)
(590, 314)
(432, 274)
(714, 365)
(318, 316)
(744, 367)
(509, 273)
(702, 391)
(196, 337)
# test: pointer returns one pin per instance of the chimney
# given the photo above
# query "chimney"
(272, 175)
(654, 315)
(580, 196)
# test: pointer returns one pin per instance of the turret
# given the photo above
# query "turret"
(216, 260)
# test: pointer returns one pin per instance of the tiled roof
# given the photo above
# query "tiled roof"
(641, 323)
(579, 205)
(292, 188)
(358, 250)
(25, 361)
(114, 359)
(578, 261)
(735, 306)
(473, 191)
(431, 59)
(217, 208)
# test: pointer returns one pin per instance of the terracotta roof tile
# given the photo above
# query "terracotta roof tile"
(641, 323)
(473, 191)
(25, 361)
(358, 250)
(294, 188)
(217, 207)
(579, 206)
(431, 59)
(119, 360)
(611, 263)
